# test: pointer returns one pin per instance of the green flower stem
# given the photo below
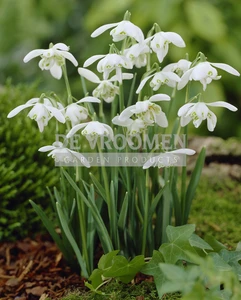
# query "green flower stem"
(83, 231)
(167, 204)
(121, 98)
(66, 79)
(146, 213)
(109, 201)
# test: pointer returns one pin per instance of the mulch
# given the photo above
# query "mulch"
(34, 269)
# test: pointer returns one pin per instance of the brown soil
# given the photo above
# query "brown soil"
(34, 269)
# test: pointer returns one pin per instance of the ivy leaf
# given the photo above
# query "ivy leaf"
(196, 241)
(232, 258)
(216, 245)
(105, 261)
(179, 244)
(95, 279)
(178, 278)
(152, 268)
(123, 269)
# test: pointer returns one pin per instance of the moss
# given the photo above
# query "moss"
(216, 210)
(120, 291)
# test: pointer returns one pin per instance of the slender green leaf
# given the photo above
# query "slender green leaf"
(49, 226)
(123, 213)
(72, 241)
(194, 180)
(100, 226)
(99, 187)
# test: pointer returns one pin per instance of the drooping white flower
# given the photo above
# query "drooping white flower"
(146, 110)
(64, 155)
(41, 112)
(160, 78)
(52, 59)
(167, 159)
(197, 112)
(179, 67)
(137, 53)
(205, 72)
(109, 63)
(121, 31)
(92, 130)
(161, 40)
(77, 113)
(106, 90)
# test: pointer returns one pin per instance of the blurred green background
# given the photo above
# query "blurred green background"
(212, 27)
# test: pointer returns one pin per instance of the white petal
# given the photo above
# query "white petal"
(161, 119)
(183, 151)
(89, 75)
(143, 82)
(226, 68)
(61, 46)
(124, 76)
(32, 54)
(89, 99)
(184, 109)
(174, 38)
(185, 120)
(75, 129)
(17, 109)
(126, 122)
(80, 157)
(56, 113)
(102, 29)
(184, 79)
(159, 97)
(211, 120)
(223, 104)
(92, 59)
(150, 162)
(46, 148)
(127, 113)
(70, 57)
(56, 71)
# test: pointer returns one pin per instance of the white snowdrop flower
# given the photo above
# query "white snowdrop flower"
(179, 67)
(109, 63)
(205, 72)
(161, 40)
(41, 112)
(198, 112)
(92, 130)
(76, 113)
(106, 90)
(167, 159)
(52, 59)
(137, 53)
(64, 155)
(120, 31)
(160, 78)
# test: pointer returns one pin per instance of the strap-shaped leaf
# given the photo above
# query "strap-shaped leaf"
(194, 180)
(123, 213)
(99, 187)
(72, 241)
(100, 226)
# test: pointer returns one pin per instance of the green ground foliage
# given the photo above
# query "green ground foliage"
(24, 172)
(216, 212)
